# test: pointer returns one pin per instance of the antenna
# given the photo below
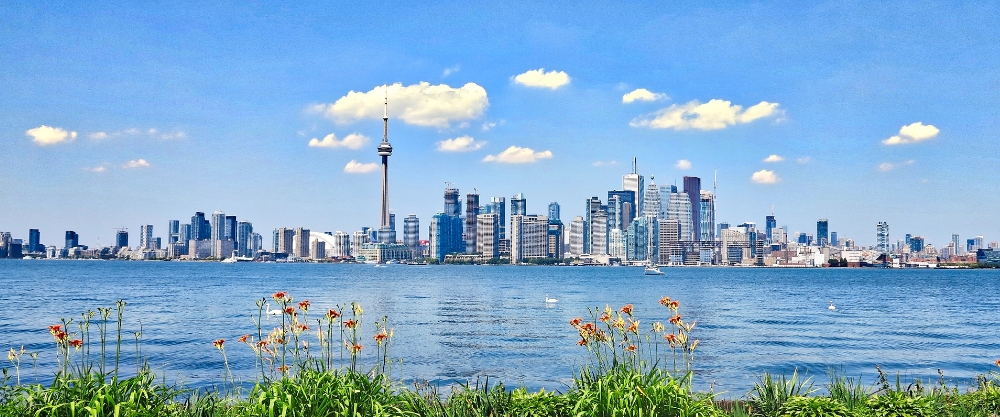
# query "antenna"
(448, 184)
(772, 209)
(634, 170)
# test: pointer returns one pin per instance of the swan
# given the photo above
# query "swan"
(831, 307)
(550, 300)
(267, 308)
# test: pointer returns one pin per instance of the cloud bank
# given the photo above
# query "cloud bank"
(774, 158)
(683, 164)
(764, 177)
(355, 167)
(136, 163)
(420, 104)
(714, 115)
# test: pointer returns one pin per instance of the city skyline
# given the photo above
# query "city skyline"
(844, 128)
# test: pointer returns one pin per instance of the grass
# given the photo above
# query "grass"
(313, 365)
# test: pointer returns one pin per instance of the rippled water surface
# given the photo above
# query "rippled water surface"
(457, 323)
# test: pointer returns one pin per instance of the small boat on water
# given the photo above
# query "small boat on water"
(652, 270)
(231, 260)
(380, 265)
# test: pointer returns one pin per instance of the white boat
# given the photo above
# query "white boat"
(231, 260)
(652, 270)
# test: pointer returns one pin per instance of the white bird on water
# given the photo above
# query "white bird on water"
(550, 300)
(267, 308)
(831, 307)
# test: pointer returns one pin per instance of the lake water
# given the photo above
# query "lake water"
(459, 323)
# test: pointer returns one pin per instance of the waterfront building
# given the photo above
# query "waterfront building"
(411, 232)
(822, 232)
(576, 233)
(197, 225)
(633, 182)
(72, 239)
(652, 239)
(445, 236)
(555, 238)
(471, 211)
(614, 210)
(317, 249)
(706, 215)
(183, 235)
(382, 252)
(671, 252)
(625, 205)
(637, 240)
(218, 226)
(34, 238)
(554, 212)
(528, 237)
(616, 244)
(955, 243)
(199, 249)
(283, 238)
(599, 233)
(779, 236)
(244, 239)
(593, 206)
(518, 205)
(692, 187)
(769, 225)
(735, 246)
(498, 205)
(452, 205)
(300, 243)
(146, 237)
(359, 238)
(679, 208)
(916, 244)
(231, 229)
(6, 241)
(882, 237)
(121, 238)
(173, 231)
(651, 205)
(222, 249)
(341, 246)
(488, 235)
(833, 239)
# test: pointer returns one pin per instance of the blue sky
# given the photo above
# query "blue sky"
(178, 109)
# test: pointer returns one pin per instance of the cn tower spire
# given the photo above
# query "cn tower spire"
(384, 150)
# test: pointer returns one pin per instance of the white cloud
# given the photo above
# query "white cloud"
(642, 94)
(451, 70)
(804, 160)
(774, 158)
(518, 155)
(420, 104)
(460, 144)
(714, 115)
(100, 168)
(355, 167)
(138, 163)
(764, 177)
(488, 126)
(610, 163)
(683, 164)
(151, 132)
(45, 135)
(911, 133)
(540, 79)
(352, 141)
(889, 166)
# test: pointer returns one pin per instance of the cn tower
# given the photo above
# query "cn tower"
(385, 234)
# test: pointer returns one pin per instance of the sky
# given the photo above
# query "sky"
(123, 114)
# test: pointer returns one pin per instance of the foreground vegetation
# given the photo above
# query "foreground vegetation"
(315, 367)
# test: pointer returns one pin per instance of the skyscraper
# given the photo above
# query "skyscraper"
(34, 238)
(554, 213)
(882, 237)
(679, 208)
(121, 238)
(445, 236)
(833, 239)
(599, 233)
(633, 182)
(471, 211)
(955, 241)
(72, 239)
(452, 206)
(173, 231)
(386, 233)
(184, 233)
(576, 233)
(498, 205)
(593, 206)
(411, 233)
(300, 242)
(244, 239)
(626, 200)
(218, 227)
(651, 204)
(146, 237)
(822, 232)
(488, 235)
(231, 229)
(518, 205)
(692, 187)
(555, 236)
(528, 237)
(707, 216)
(198, 229)
(769, 225)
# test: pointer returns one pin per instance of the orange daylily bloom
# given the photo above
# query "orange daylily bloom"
(284, 369)
(575, 322)
(350, 324)
(664, 301)
(582, 342)
(76, 343)
(290, 311)
(631, 348)
(332, 314)
(55, 328)
(379, 337)
(355, 348)
(304, 305)
(674, 305)
(675, 319)
(219, 343)
(605, 317)
(243, 339)
(627, 309)
(280, 295)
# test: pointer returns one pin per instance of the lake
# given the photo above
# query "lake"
(460, 323)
